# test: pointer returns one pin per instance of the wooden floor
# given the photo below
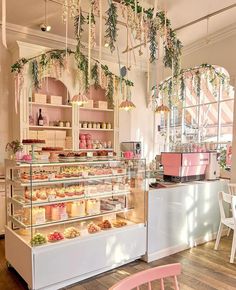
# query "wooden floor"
(202, 269)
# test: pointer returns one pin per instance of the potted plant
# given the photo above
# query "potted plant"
(14, 148)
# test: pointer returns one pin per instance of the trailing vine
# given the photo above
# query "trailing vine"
(211, 73)
(153, 41)
(94, 75)
(111, 23)
(79, 21)
(40, 63)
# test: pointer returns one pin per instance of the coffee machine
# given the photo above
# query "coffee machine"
(132, 146)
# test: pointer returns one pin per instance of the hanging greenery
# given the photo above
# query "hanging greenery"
(41, 62)
(79, 22)
(209, 72)
(111, 23)
(94, 75)
(144, 25)
(35, 74)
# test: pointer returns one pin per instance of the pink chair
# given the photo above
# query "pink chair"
(147, 276)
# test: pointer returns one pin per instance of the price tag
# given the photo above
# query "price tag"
(51, 197)
(110, 154)
(89, 154)
(39, 220)
(64, 216)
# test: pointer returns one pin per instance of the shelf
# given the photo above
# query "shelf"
(39, 163)
(49, 127)
(68, 220)
(103, 149)
(69, 180)
(91, 129)
(51, 105)
(28, 204)
(96, 109)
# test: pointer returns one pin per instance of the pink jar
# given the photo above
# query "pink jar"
(128, 154)
(82, 144)
(82, 136)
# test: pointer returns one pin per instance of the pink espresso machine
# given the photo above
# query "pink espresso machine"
(182, 167)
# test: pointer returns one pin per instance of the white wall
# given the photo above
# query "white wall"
(5, 79)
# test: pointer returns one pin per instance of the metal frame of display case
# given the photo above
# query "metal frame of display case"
(56, 265)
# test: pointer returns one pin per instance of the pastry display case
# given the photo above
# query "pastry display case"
(57, 211)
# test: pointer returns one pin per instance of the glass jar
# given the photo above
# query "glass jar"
(94, 125)
(109, 126)
(60, 124)
(90, 125)
(80, 124)
(104, 125)
(85, 125)
(98, 126)
(67, 124)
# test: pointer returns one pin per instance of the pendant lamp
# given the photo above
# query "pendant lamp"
(79, 99)
(127, 105)
(162, 109)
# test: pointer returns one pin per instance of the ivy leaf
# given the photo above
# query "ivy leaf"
(111, 24)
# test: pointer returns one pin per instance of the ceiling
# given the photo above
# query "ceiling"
(30, 14)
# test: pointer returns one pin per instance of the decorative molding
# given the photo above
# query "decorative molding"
(52, 40)
(219, 35)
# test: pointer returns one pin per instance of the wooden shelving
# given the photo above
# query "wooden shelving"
(97, 109)
(51, 105)
(49, 127)
(91, 129)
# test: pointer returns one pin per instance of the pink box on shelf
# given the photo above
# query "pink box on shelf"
(100, 104)
(40, 98)
(55, 100)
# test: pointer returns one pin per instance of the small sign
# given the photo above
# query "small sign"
(51, 197)
(64, 216)
(110, 154)
(89, 154)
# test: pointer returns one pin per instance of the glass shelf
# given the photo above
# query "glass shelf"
(18, 200)
(67, 220)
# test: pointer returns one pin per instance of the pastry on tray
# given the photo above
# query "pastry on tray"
(71, 233)
(93, 228)
(33, 141)
(119, 224)
(52, 149)
(105, 225)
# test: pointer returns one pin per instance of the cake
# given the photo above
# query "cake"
(61, 192)
(93, 206)
(55, 215)
(38, 215)
(62, 211)
(77, 208)
(42, 194)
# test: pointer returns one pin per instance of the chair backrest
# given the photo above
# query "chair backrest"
(226, 197)
(147, 276)
(233, 204)
(232, 188)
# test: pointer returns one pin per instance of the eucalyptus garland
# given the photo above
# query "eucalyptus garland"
(182, 86)
(110, 92)
(111, 23)
(17, 67)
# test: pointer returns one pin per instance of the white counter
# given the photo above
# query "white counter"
(181, 216)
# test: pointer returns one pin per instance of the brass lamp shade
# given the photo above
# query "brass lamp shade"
(162, 109)
(127, 105)
(79, 99)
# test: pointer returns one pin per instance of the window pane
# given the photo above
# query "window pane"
(190, 126)
(208, 122)
(226, 128)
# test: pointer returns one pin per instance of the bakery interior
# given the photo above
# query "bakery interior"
(117, 147)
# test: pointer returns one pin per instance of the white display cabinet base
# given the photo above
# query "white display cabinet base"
(60, 264)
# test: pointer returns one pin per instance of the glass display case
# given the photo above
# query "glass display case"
(55, 203)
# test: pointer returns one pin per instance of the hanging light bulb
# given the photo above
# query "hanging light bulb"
(79, 99)
(127, 105)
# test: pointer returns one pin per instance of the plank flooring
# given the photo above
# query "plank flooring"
(202, 269)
